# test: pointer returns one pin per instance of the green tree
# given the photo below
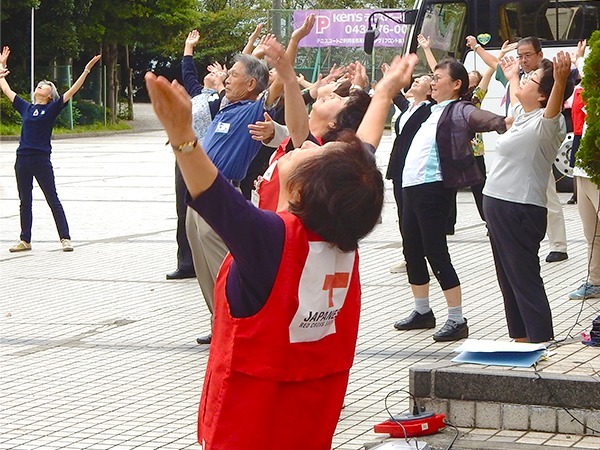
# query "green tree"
(116, 27)
(588, 155)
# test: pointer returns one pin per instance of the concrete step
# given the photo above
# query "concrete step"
(483, 397)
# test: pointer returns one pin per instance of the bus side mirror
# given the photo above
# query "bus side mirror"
(401, 16)
(370, 37)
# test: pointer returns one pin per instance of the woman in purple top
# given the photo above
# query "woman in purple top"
(33, 153)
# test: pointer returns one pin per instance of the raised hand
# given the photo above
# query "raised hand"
(358, 74)
(397, 76)
(276, 56)
(192, 38)
(334, 73)
(507, 47)
(581, 45)
(423, 41)
(471, 42)
(92, 62)
(510, 67)
(561, 67)
(259, 50)
(4, 56)
(305, 29)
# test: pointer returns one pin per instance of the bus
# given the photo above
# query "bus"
(559, 25)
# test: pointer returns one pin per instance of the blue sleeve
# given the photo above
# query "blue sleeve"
(254, 238)
(190, 76)
(20, 105)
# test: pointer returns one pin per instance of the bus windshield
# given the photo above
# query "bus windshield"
(555, 23)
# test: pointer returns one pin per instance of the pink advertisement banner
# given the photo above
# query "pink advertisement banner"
(347, 28)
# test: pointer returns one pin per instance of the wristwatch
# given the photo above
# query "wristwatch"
(186, 147)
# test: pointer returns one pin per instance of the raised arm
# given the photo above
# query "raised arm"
(252, 39)
(296, 116)
(396, 77)
(3, 66)
(291, 52)
(77, 85)
(561, 71)
(424, 43)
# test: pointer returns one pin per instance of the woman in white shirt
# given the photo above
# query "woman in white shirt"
(515, 193)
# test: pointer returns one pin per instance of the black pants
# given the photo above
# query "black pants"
(28, 167)
(476, 190)
(184, 253)
(398, 197)
(425, 210)
(516, 231)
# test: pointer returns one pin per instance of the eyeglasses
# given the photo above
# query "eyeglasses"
(526, 56)
(527, 79)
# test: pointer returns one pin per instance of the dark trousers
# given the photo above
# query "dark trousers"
(476, 190)
(425, 210)
(397, 184)
(184, 253)
(28, 167)
(516, 231)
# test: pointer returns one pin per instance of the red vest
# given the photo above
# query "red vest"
(267, 187)
(577, 114)
(266, 195)
(276, 380)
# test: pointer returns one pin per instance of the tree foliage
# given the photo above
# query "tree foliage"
(588, 154)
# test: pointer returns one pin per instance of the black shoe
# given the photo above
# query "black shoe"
(452, 331)
(180, 275)
(572, 200)
(416, 321)
(556, 256)
(204, 340)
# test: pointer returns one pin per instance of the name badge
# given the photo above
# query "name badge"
(222, 127)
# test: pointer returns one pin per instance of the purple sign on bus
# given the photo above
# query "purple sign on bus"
(347, 28)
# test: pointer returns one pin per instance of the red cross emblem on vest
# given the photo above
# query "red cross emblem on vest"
(337, 280)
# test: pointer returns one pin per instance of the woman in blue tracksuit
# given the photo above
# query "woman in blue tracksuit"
(33, 153)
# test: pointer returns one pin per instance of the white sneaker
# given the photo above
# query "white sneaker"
(66, 245)
(20, 246)
(398, 268)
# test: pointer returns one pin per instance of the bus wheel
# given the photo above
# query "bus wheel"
(563, 172)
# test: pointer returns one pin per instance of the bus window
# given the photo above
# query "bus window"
(444, 24)
(548, 20)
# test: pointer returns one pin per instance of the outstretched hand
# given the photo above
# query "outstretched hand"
(92, 62)
(305, 29)
(172, 106)
(398, 75)
(193, 38)
(4, 56)
(510, 67)
(562, 66)
(507, 47)
(471, 42)
(423, 41)
(358, 74)
(276, 57)
(262, 130)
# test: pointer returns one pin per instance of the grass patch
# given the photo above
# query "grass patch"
(15, 130)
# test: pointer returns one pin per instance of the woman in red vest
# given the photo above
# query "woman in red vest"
(287, 298)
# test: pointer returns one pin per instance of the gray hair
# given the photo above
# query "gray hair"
(255, 68)
(53, 92)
